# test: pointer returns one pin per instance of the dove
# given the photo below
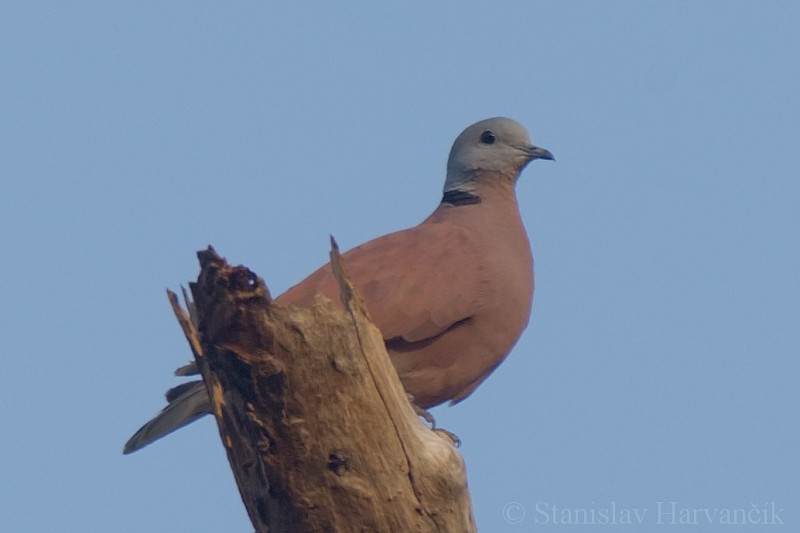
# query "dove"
(451, 296)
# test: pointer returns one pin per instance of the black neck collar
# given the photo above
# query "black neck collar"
(457, 198)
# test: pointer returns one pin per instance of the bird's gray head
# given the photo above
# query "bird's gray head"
(498, 146)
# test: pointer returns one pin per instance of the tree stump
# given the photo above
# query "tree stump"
(318, 430)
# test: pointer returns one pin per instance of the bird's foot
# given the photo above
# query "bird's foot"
(422, 413)
(450, 435)
(428, 417)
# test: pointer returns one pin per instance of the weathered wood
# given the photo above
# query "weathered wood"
(317, 427)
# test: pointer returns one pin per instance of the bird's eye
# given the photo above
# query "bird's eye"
(487, 137)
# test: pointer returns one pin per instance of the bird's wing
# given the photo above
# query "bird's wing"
(416, 283)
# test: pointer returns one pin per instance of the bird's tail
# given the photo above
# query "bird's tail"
(187, 403)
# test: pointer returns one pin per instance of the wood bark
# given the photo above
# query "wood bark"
(318, 430)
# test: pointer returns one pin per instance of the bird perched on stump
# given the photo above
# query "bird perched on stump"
(451, 296)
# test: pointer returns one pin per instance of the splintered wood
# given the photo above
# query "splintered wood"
(317, 427)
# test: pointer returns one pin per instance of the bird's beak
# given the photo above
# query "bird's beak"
(534, 152)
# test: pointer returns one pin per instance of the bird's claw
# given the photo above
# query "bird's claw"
(422, 413)
(428, 417)
(450, 435)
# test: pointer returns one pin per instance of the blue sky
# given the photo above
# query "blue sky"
(661, 364)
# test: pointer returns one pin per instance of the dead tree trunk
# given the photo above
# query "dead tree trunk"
(317, 427)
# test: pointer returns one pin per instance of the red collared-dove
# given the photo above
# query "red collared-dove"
(451, 295)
